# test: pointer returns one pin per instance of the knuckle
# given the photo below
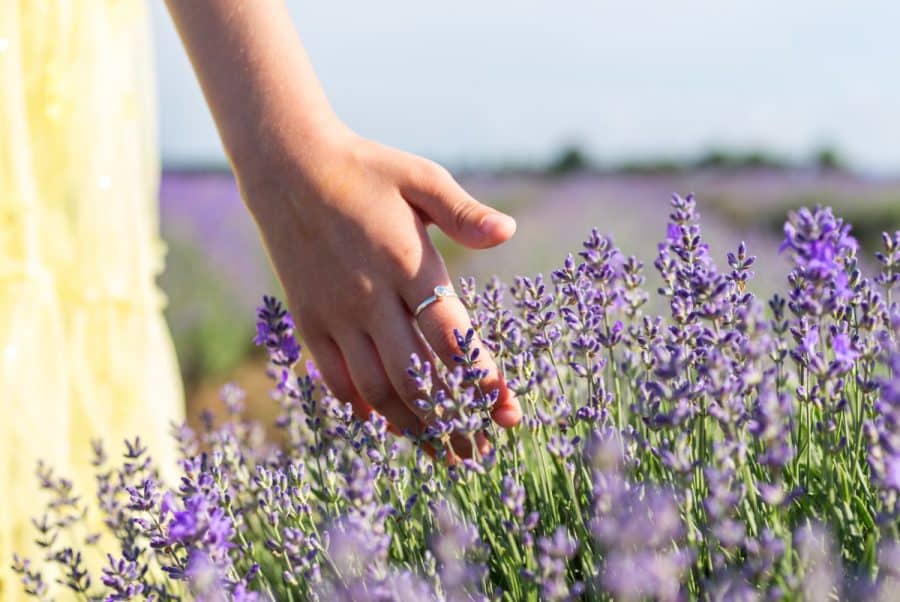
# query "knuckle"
(431, 178)
(415, 266)
(462, 212)
(360, 294)
(362, 284)
(436, 172)
(408, 259)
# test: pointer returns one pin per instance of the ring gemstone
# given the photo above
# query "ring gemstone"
(442, 291)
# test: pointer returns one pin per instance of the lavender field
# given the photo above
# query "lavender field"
(216, 266)
(729, 447)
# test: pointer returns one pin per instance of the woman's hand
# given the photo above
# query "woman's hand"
(344, 220)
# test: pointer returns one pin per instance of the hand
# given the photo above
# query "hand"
(344, 220)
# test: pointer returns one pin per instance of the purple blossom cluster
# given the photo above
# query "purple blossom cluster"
(730, 449)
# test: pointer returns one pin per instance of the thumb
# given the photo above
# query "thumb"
(454, 211)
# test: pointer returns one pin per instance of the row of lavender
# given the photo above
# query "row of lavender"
(727, 450)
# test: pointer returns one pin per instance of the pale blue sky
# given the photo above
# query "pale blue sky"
(494, 80)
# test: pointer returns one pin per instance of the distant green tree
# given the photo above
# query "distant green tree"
(828, 159)
(571, 159)
(715, 159)
(724, 159)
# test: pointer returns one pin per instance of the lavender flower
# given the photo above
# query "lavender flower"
(715, 452)
(822, 248)
(275, 332)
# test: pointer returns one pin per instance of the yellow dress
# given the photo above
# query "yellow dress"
(84, 350)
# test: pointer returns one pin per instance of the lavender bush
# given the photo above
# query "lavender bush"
(725, 451)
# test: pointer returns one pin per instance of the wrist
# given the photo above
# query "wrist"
(265, 154)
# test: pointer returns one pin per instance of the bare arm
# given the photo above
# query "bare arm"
(254, 71)
(343, 218)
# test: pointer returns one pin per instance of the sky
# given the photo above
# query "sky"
(475, 82)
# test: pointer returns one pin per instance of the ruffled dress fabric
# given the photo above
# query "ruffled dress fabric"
(84, 350)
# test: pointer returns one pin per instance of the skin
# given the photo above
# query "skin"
(343, 218)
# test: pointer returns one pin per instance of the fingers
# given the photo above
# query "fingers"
(395, 338)
(374, 386)
(438, 322)
(336, 375)
(434, 192)
(331, 364)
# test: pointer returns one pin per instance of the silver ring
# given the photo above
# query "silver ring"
(440, 292)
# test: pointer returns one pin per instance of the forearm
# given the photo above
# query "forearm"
(256, 76)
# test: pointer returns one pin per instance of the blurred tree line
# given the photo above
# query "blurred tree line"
(575, 159)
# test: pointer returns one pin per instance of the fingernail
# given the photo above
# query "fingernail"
(493, 222)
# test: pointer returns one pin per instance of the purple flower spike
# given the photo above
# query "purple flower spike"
(275, 332)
